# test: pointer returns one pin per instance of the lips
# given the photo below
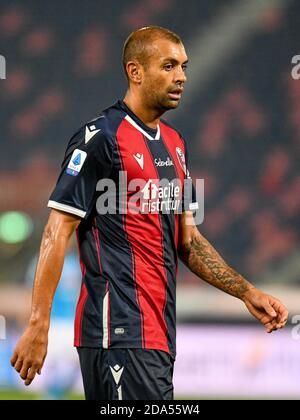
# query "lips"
(175, 94)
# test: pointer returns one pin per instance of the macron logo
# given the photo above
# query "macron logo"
(90, 132)
(117, 373)
(140, 159)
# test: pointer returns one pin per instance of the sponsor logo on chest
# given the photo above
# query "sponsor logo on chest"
(160, 162)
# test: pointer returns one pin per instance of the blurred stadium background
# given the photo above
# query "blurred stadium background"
(241, 117)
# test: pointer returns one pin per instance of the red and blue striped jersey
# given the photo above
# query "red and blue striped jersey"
(128, 257)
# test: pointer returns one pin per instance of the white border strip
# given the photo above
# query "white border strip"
(120, 396)
(157, 137)
(65, 207)
(135, 125)
(105, 321)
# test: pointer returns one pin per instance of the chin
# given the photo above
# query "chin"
(173, 104)
(170, 105)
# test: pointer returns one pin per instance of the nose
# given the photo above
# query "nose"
(180, 76)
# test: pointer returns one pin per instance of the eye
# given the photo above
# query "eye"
(184, 67)
(168, 67)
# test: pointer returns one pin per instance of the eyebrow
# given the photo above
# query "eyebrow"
(173, 60)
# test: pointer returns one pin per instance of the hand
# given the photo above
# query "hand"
(30, 353)
(267, 309)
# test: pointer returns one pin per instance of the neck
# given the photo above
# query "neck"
(149, 116)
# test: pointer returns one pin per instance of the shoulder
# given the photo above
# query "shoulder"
(169, 126)
(99, 131)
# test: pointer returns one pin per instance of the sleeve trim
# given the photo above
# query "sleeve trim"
(66, 208)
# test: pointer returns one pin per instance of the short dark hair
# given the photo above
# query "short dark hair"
(135, 46)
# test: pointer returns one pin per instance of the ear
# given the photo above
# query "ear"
(134, 71)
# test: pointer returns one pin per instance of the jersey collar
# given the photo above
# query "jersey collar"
(150, 133)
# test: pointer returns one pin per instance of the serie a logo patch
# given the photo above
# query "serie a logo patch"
(76, 162)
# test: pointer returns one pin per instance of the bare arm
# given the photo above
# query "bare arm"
(203, 260)
(30, 352)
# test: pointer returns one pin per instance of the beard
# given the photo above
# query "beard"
(161, 101)
(168, 103)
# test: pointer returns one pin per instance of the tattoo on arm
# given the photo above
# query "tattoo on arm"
(203, 260)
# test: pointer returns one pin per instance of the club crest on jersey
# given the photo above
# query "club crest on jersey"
(76, 162)
(181, 158)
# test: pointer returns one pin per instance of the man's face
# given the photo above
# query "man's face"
(164, 75)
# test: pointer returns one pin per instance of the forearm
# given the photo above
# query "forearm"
(50, 263)
(203, 260)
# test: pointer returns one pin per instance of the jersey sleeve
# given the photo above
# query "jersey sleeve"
(84, 164)
(190, 202)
